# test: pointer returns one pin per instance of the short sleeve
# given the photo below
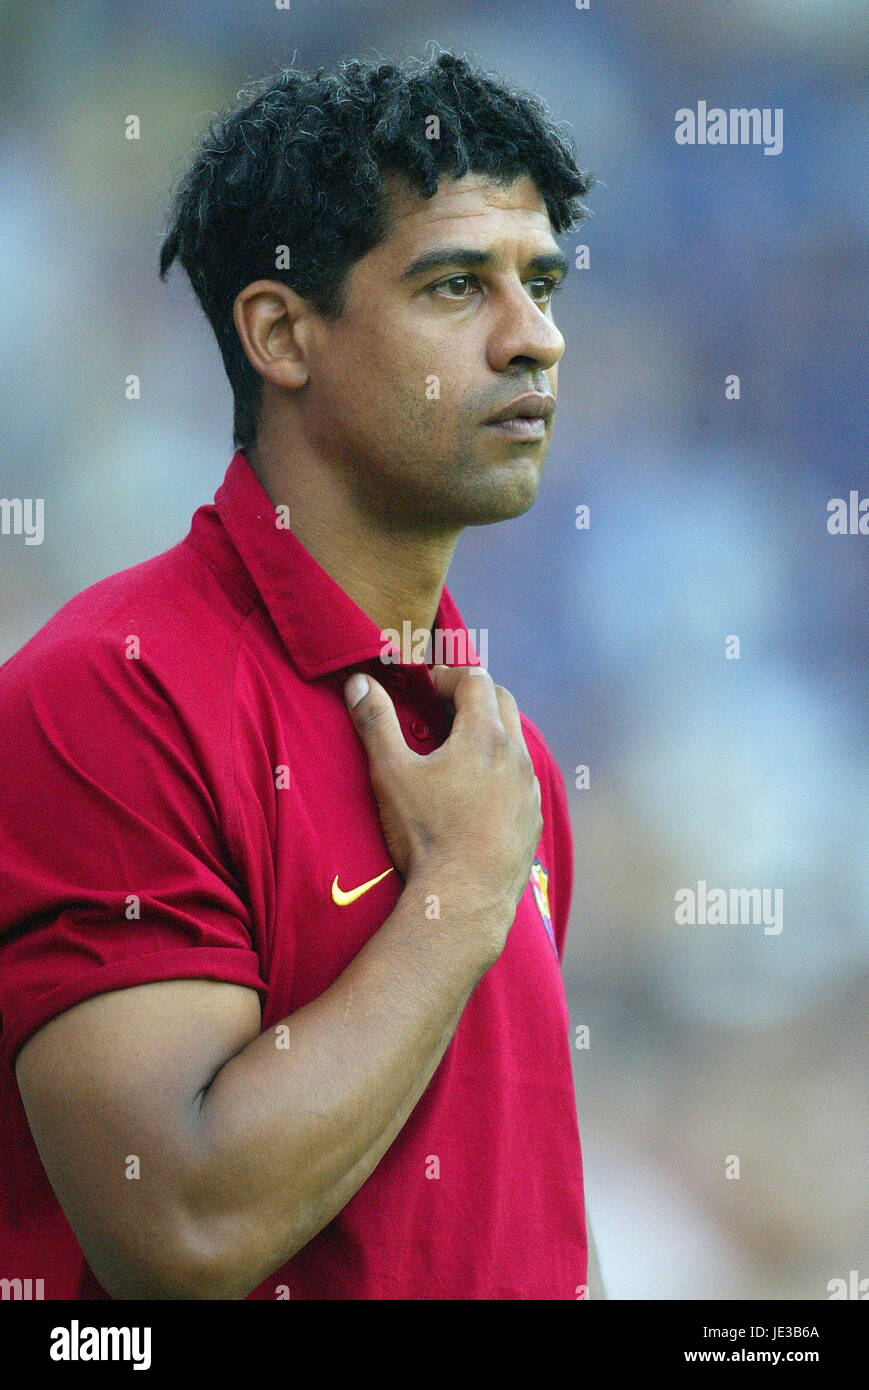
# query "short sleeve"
(113, 867)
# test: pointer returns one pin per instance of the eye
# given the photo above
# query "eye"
(453, 280)
(553, 286)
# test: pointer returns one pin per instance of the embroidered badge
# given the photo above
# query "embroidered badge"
(539, 885)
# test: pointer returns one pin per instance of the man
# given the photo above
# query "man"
(283, 905)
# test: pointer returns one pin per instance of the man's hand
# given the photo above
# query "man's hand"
(470, 810)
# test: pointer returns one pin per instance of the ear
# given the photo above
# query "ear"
(273, 323)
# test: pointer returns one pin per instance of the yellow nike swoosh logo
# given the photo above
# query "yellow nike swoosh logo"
(342, 899)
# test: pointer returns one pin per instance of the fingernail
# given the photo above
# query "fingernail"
(356, 687)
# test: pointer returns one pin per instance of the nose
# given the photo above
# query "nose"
(522, 329)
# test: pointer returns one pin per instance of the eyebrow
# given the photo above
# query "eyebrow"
(444, 256)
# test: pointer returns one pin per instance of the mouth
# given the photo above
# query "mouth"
(520, 426)
(525, 417)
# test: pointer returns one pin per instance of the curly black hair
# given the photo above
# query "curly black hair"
(300, 164)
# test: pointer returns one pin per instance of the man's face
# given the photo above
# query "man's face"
(402, 385)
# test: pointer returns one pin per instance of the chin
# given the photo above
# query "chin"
(500, 504)
(474, 493)
(506, 492)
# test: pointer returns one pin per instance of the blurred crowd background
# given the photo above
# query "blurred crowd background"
(708, 520)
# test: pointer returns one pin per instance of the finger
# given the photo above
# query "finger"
(471, 691)
(510, 714)
(374, 717)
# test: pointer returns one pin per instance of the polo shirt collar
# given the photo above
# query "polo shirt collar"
(320, 625)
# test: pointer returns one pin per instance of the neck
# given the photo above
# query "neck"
(394, 574)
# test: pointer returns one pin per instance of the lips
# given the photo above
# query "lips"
(520, 426)
(532, 406)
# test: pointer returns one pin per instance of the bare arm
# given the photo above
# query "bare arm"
(247, 1149)
(239, 1174)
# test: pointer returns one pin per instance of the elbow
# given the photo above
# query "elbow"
(190, 1260)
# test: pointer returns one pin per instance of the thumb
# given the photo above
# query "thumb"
(374, 716)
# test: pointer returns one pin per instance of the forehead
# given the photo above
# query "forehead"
(474, 210)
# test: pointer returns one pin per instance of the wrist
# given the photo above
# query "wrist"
(454, 896)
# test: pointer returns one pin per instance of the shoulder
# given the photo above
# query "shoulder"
(556, 816)
(556, 842)
(541, 755)
(156, 632)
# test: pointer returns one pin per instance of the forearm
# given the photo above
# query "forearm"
(287, 1134)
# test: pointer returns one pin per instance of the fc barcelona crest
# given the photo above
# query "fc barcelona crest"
(539, 885)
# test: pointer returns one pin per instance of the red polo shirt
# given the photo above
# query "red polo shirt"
(177, 735)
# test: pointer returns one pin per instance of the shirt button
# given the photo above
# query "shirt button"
(420, 729)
